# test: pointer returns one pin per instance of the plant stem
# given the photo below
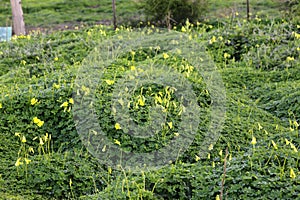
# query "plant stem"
(224, 174)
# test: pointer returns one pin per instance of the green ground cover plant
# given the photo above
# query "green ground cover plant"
(42, 155)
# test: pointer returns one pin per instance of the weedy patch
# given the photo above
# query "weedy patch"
(45, 157)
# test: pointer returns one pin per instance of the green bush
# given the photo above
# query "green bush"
(293, 7)
(177, 10)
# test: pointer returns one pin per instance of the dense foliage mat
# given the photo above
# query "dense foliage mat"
(42, 155)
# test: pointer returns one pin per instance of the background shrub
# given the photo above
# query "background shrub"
(178, 10)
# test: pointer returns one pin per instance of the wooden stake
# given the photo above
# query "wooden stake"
(18, 20)
(114, 14)
(248, 10)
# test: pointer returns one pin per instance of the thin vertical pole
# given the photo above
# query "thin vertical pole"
(248, 10)
(114, 13)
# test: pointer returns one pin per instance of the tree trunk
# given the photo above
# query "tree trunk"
(114, 14)
(18, 20)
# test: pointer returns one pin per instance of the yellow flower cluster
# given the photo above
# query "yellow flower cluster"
(18, 162)
(213, 40)
(109, 82)
(293, 147)
(227, 55)
(33, 101)
(296, 35)
(65, 105)
(290, 59)
(38, 122)
(28, 37)
(56, 86)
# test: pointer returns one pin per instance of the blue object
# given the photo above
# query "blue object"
(5, 33)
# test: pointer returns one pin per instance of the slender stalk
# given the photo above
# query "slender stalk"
(224, 174)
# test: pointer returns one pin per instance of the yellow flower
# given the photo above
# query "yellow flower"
(226, 55)
(1, 105)
(293, 147)
(17, 134)
(213, 164)
(71, 101)
(170, 124)
(104, 148)
(259, 126)
(290, 58)
(287, 142)
(257, 18)
(296, 124)
(41, 141)
(141, 101)
(40, 124)
(211, 146)
(292, 174)
(36, 120)
(23, 139)
(253, 142)
(176, 134)
(217, 197)
(212, 40)
(56, 59)
(23, 62)
(165, 56)
(33, 101)
(132, 68)
(117, 142)
(109, 82)
(30, 149)
(46, 137)
(183, 29)
(56, 86)
(117, 126)
(197, 158)
(27, 161)
(274, 144)
(297, 35)
(64, 104)
(236, 13)
(208, 156)
(18, 162)
(220, 152)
